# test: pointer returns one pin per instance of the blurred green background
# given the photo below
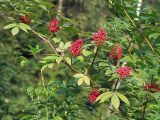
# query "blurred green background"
(14, 80)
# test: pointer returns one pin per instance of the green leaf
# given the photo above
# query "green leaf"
(34, 50)
(80, 58)
(57, 118)
(68, 60)
(59, 50)
(15, 31)
(43, 7)
(69, 29)
(102, 64)
(56, 40)
(108, 72)
(115, 101)
(78, 75)
(131, 59)
(154, 35)
(80, 81)
(61, 45)
(67, 45)
(44, 67)
(50, 65)
(59, 59)
(114, 76)
(86, 80)
(24, 61)
(104, 97)
(30, 89)
(24, 27)
(38, 91)
(109, 43)
(100, 96)
(123, 98)
(50, 57)
(86, 52)
(10, 26)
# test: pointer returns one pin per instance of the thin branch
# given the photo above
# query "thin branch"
(44, 39)
(94, 83)
(117, 83)
(147, 41)
(133, 23)
(90, 67)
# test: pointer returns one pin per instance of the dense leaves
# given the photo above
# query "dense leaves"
(83, 70)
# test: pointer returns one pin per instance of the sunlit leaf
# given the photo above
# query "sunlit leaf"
(68, 60)
(80, 58)
(115, 101)
(80, 81)
(104, 97)
(87, 52)
(15, 31)
(86, 80)
(10, 26)
(123, 98)
(78, 75)
(59, 59)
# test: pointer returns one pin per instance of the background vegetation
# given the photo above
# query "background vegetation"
(21, 91)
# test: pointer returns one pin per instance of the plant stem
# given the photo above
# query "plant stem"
(94, 83)
(116, 84)
(60, 5)
(90, 67)
(132, 22)
(46, 40)
(147, 41)
(36, 57)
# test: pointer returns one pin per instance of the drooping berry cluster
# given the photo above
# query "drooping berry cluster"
(93, 96)
(75, 48)
(25, 19)
(151, 87)
(54, 25)
(124, 71)
(100, 37)
(116, 53)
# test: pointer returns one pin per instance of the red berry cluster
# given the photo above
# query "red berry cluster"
(116, 53)
(54, 25)
(124, 71)
(25, 19)
(75, 48)
(100, 37)
(93, 96)
(151, 87)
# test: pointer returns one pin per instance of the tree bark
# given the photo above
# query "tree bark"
(139, 5)
(60, 5)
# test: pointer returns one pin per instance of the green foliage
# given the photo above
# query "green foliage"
(64, 81)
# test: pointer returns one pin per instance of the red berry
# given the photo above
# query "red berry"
(75, 48)
(116, 53)
(93, 96)
(100, 37)
(54, 25)
(124, 71)
(151, 87)
(25, 19)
